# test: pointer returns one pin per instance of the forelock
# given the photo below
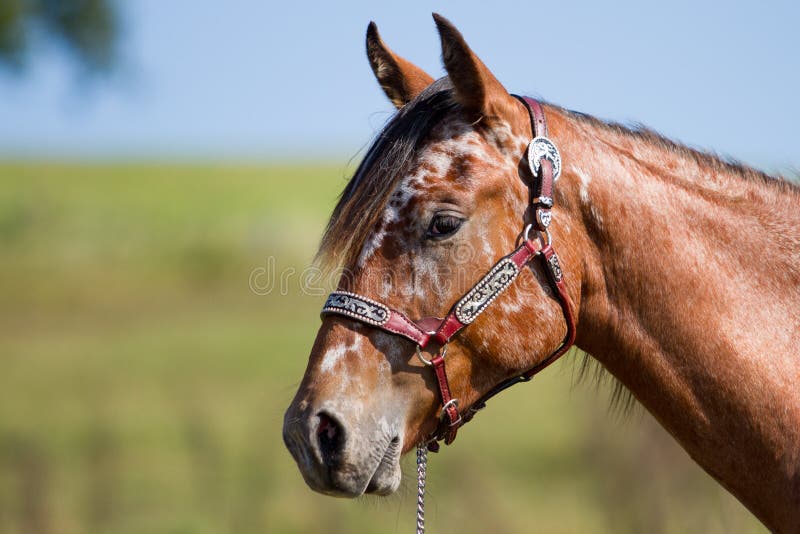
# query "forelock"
(388, 160)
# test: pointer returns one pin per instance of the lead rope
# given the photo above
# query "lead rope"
(422, 466)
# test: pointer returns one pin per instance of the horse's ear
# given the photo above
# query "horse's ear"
(400, 79)
(476, 88)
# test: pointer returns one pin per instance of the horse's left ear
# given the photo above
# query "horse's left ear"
(476, 88)
(400, 79)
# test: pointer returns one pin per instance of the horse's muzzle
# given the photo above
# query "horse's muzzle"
(338, 461)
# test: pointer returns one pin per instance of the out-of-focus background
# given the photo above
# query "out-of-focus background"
(166, 169)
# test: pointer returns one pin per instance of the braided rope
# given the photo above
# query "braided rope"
(422, 466)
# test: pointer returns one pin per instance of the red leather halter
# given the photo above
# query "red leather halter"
(545, 165)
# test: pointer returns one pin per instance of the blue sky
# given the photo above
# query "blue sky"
(286, 80)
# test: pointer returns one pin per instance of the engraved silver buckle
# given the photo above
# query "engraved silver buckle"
(542, 147)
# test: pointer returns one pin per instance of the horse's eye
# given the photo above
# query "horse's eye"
(443, 226)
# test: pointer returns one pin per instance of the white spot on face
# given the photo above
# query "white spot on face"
(332, 357)
(337, 352)
(510, 305)
(386, 286)
(371, 246)
(486, 242)
(438, 161)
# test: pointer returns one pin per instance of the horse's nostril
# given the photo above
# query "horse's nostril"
(331, 439)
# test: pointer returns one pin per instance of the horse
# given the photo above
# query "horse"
(677, 270)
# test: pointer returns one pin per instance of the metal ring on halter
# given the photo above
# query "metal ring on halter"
(526, 232)
(546, 233)
(548, 236)
(451, 402)
(427, 361)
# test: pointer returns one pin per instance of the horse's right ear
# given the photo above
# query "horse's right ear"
(400, 79)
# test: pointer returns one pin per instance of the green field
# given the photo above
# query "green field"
(143, 383)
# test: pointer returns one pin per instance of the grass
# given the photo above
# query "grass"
(143, 383)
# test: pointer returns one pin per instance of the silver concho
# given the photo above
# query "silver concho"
(357, 307)
(495, 282)
(542, 147)
(544, 217)
(555, 268)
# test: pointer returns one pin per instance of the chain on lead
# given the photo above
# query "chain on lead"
(422, 466)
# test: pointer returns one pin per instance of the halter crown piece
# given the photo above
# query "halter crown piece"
(544, 162)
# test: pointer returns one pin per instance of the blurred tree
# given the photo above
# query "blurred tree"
(87, 29)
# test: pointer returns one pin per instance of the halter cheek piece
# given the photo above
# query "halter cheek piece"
(545, 164)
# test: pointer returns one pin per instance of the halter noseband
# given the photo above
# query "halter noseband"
(545, 166)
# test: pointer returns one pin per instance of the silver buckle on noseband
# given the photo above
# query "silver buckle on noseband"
(451, 402)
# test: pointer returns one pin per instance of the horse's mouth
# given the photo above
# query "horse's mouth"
(387, 475)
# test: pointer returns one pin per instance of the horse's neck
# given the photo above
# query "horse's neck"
(690, 294)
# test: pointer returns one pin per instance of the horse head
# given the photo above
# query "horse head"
(442, 194)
